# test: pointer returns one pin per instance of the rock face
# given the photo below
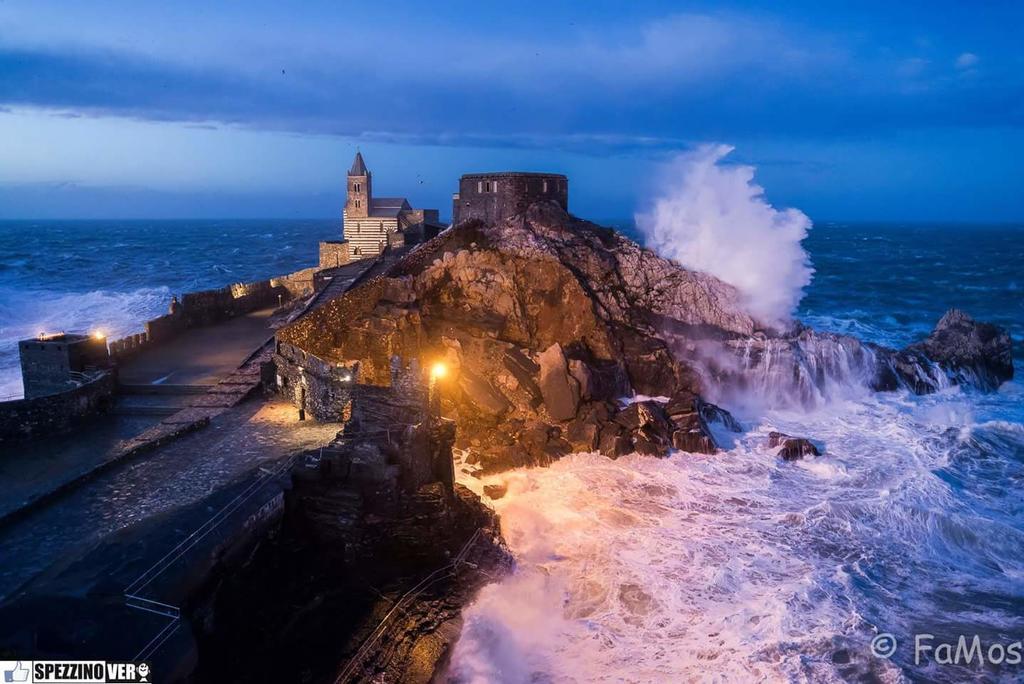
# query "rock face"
(547, 323)
(359, 532)
(974, 353)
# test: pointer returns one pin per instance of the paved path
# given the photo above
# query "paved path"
(180, 473)
(30, 472)
(31, 469)
(201, 355)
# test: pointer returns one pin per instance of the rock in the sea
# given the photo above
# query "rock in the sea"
(495, 491)
(791, 448)
(979, 354)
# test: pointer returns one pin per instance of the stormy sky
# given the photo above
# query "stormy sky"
(902, 111)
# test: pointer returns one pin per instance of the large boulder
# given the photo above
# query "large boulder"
(974, 353)
(561, 391)
(791, 448)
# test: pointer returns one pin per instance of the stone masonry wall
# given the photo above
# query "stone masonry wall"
(492, 197)
(323, 389)
(54, 413)
(334, 253)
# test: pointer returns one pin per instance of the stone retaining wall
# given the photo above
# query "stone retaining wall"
(322, 388)
(54, 413)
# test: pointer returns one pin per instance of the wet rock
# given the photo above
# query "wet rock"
(791, 448)
(481, 394)
(694, 442)
(495, 491)
(980, 354)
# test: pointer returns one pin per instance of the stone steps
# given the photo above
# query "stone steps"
(122, 409)
(164, 389)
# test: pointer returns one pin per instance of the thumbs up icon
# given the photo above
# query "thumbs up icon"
(18, 674)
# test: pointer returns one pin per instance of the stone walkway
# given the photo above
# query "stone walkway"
(200, 356)
(177, 474)
(34, 480)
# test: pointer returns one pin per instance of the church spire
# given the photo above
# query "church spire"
(358, 166)
(360, 193)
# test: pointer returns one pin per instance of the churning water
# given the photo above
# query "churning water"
(742, 567)
(115, 275)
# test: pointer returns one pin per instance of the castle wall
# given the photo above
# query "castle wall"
(55, 413)
(492, 197)
(323, 389)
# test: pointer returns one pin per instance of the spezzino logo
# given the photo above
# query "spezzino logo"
(61, 671)
(46, 671)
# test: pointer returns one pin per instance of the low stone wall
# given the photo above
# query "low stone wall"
(54, 413)
(207, 307)
(334, 253)
(298, 284)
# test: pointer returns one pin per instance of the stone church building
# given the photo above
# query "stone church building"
(372, 223)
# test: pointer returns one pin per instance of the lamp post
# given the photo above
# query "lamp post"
(437, 373)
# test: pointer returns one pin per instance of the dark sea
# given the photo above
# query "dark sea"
(737, 567)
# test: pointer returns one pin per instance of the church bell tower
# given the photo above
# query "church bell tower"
(357, 204)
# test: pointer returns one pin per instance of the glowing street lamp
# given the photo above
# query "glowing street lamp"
(437, 372)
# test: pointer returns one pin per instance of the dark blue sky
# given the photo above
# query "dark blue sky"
(894, 110)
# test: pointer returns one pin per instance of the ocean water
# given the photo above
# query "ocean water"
(739, 567)
(115, 275)
(733, 567)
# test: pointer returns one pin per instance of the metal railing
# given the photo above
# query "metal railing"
(407, 598)
(132, 592)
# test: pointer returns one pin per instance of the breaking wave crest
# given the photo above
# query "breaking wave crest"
(712, 217)
(26, 313)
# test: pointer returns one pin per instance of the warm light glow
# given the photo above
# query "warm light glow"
(99, 335)
(438, 371)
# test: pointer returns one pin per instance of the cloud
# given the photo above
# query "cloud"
(652, 85)
(966, 60)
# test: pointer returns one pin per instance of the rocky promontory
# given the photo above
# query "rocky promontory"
(559, 335)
